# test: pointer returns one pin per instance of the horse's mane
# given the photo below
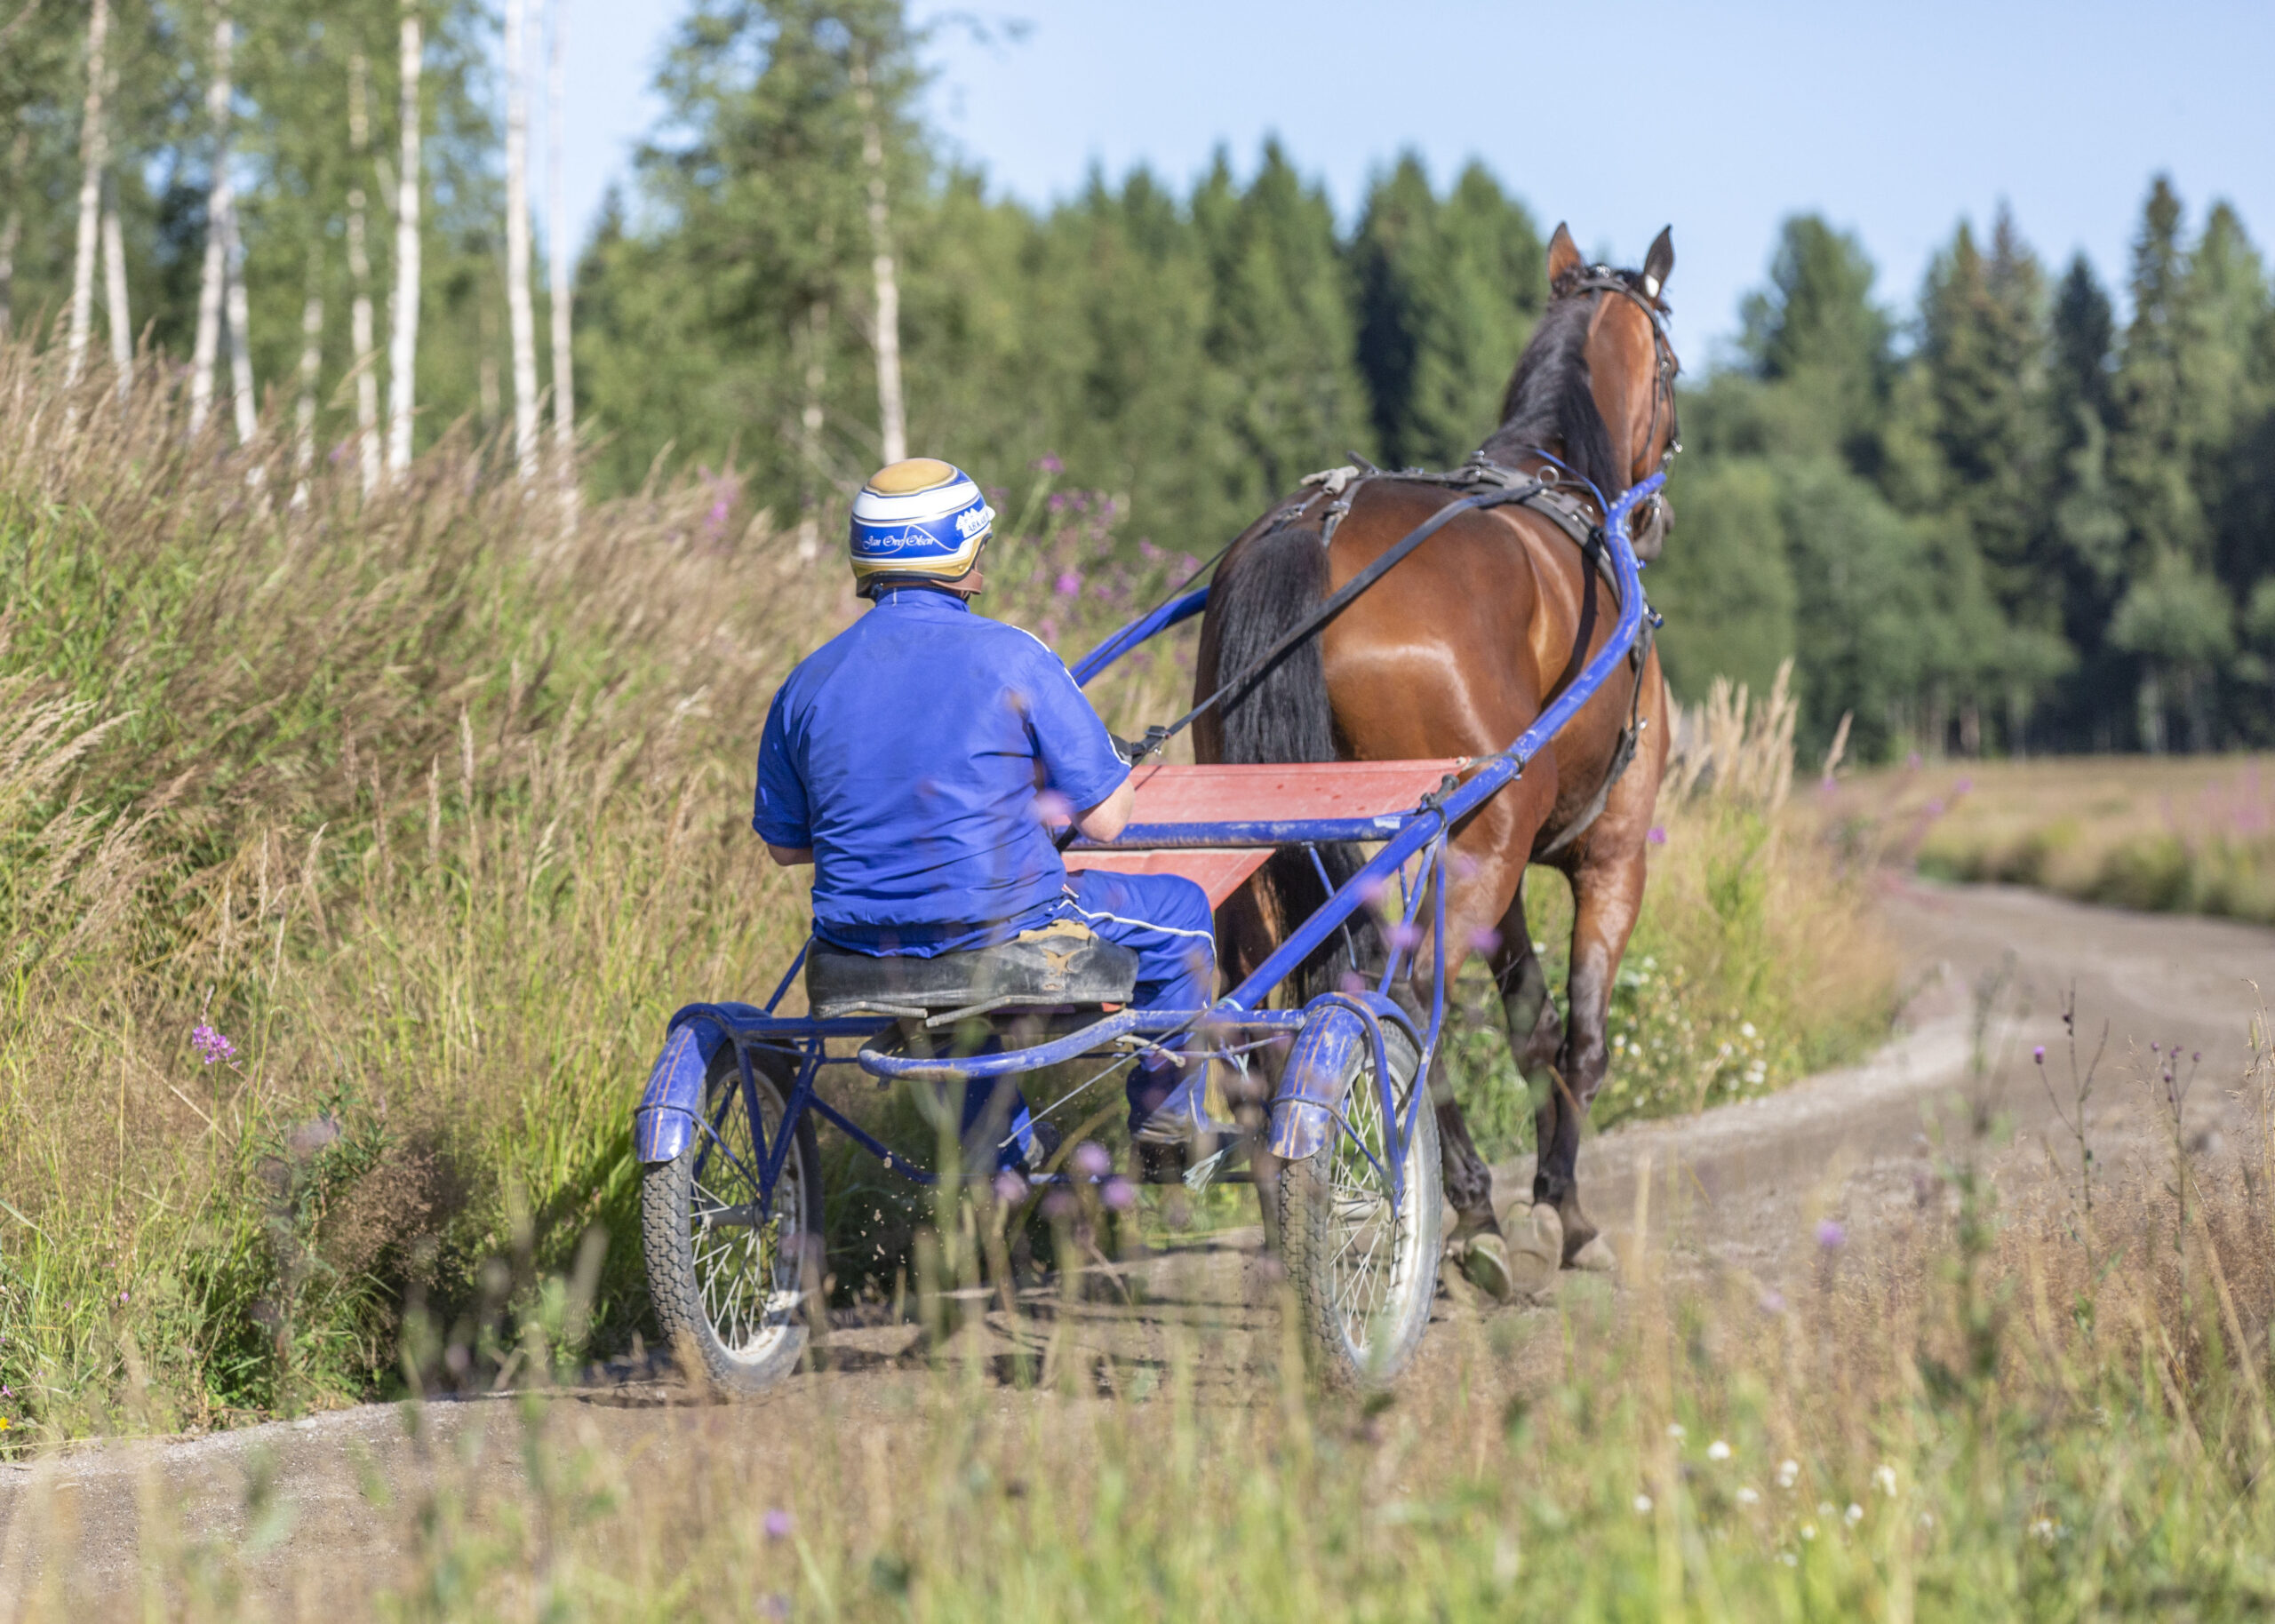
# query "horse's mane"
(1550, 406)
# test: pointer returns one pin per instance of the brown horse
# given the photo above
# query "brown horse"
(1454, 653)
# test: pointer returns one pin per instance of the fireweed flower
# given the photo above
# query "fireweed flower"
(212, 1047)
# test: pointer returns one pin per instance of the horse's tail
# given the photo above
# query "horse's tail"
(1273, 582)
(1270, 585)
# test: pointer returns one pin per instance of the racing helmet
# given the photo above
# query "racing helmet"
(922, 519)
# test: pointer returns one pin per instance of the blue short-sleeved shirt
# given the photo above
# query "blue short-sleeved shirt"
(907, 752)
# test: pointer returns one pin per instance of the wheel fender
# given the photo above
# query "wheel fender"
(1310, 1098)
(665, 1120)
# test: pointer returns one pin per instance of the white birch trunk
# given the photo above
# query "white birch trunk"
(12, 229)
(304, 414)
(114, 305)
(240, 337)
(359, 269)
(220, 203)
(92, 154)
(809, 424)
(403, 342)
(563, 296)
(893, 417)
(518, 238)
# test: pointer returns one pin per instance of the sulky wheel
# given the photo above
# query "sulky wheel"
(1362, 1275)
(731, 1285)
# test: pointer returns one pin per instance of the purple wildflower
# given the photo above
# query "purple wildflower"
(1009, 1187)
(1658, 835)
(1147, 550)
(2039, 1054)
(1069, 584)
(1934, 808)
(1351, 981)
(1404, 935)
(1772, 1301)
(1090, 1159)
(1119, 1194)
(1830, 1235)
(779, 1524)
(212, 1047)
(1057, 1207)
(1047, 463)
(1962, 786)
(1484, 939)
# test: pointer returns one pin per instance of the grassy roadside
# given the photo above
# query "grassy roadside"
(353, 854)
(2176, 834)
(1999, 1405)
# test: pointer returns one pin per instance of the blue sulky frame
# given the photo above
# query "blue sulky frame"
(1309, 1105)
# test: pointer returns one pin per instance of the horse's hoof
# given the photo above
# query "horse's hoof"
(1546, 1237)
(1595, 1257)
(1484, 1259)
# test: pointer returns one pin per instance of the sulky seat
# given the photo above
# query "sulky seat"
(1061, 965)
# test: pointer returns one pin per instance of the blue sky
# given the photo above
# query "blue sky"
(1893, 120)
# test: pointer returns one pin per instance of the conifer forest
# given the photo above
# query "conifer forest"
(2015, 509)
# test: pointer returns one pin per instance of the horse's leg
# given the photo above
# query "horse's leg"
(1607, 893)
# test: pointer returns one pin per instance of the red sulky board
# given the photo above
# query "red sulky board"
(1238, 794)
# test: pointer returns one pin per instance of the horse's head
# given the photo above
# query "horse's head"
(1596, 384)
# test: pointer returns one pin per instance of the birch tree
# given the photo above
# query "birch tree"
(564, 408)
(240, 327)
(518, 238)
(403, 342)
(304, 415)
(11, 228)
(220, 204)
(893, 417)
(359, 271)
(114, 308)
(92, 156)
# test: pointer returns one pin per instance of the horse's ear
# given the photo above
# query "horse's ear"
(1658, 262)
(1563, 255)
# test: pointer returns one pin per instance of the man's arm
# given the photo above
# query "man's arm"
(1102, 822)
(793, 857)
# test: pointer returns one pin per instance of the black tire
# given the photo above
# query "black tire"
(736, 1295)
(1364, 1316)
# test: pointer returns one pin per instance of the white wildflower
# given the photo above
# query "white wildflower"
(1787, 1472)
(1746, 1027)
(1675, 1431)
(1718, 1451)
(1747, 1497)
(1642, 1503)
(1809, 1530)
(1855, 1514)
(1884, 1479)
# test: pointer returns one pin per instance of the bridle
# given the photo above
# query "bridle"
(1651, 524)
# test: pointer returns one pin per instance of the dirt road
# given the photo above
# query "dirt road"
(1750, 1184)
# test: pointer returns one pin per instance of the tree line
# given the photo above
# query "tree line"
(2001, 519)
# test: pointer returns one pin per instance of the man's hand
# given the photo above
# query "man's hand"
(1111, 816)
(790, 856)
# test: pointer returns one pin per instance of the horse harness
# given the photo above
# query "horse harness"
(1556, 495)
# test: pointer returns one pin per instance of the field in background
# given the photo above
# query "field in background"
(353, 854)
(2182, 835)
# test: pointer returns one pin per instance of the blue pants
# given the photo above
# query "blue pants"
(1164, 920)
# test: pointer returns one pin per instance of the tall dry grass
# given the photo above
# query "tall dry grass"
(433, 813)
